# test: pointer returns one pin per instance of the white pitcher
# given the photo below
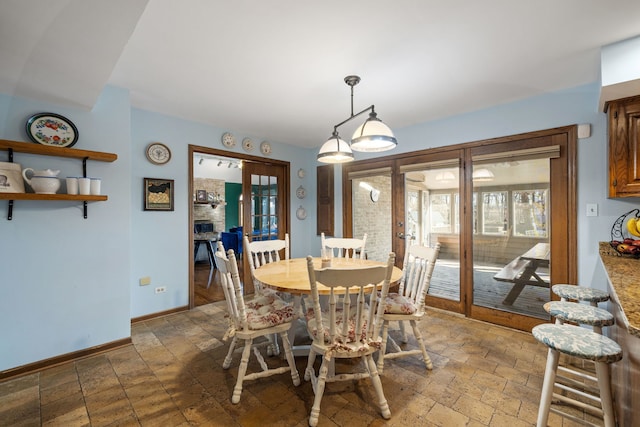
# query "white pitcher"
(42, 181)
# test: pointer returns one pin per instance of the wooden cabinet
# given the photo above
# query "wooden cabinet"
(625, 374)
(624, 146)
(31, 148)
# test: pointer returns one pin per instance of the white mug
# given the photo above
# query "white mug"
(84, 185)
(72, 185)
(95, 186)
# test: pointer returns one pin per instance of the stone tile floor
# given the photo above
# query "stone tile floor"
(483, 375)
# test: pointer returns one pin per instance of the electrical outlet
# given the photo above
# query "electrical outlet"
(161, 289)
(145, 281)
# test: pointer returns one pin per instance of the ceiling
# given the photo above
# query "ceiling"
(274, 70)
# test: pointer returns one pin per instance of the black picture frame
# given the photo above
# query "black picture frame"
(201, 196)
(158, 194)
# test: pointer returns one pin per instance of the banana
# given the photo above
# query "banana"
(632, 227)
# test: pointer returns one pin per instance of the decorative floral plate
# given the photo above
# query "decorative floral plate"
(52, 129)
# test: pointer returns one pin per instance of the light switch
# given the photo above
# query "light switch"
(592, 209)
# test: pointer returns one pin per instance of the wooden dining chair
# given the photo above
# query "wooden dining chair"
(346, 331)
(407, 305)
(262, 316)
(261, 252)
(344, 247)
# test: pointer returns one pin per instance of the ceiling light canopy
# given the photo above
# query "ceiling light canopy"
(372, 136)
(483, 174)
(445, 176)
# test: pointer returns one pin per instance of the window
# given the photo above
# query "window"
(440, 213)
(530, 213)
(494, 212)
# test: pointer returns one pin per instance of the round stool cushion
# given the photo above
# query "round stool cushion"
(580, 293)
(578, 342)
(579, 313)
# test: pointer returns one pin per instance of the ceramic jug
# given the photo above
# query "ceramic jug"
(42, 181)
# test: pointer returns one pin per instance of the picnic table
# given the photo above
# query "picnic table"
(522, 271)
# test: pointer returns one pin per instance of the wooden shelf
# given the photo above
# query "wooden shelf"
(32, 148)
(46, 150)
(34, 196)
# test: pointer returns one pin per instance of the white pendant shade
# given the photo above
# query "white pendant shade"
(373, 136)
(335, 150)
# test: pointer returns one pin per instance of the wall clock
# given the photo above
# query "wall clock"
(301, 173)
(158, 153)
(301, 193)
(247, 144)
(265, 148)
(228, 140)
(375, 195)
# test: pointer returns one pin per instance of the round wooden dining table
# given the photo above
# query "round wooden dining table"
(292, 276)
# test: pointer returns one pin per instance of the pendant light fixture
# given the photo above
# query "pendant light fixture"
(372, 136)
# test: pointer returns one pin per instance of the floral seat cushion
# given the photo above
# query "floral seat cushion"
(312, 327)
(267, 310)
(398, 304)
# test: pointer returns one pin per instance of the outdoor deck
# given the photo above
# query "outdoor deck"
(488, 292)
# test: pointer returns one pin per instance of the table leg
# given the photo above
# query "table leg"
(518, 286)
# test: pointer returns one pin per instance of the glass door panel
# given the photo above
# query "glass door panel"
(264, 217)
(371, 205)
(432, 215)
(510, 202)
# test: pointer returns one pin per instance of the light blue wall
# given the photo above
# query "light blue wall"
(68, 283)
(160, 240)
(64, 279)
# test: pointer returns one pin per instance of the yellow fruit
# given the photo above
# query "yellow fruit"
(632, 227)
(638, 226)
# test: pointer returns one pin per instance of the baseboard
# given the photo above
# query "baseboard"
(81, 354)
(64, 358)
(159, 314)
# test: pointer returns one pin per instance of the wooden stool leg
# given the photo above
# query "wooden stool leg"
(547, 387)
(604, 383)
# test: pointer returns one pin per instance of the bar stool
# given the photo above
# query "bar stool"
(584, 344)
(582, 314)
(580, 293)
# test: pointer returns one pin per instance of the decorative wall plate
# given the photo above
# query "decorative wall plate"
(265, 148)
(247, 144)
(301, 213)
(301, 193)
(52, 129)
(158, 153)
(301, 173)
(228, 140)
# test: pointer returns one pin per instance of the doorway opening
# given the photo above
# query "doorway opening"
(220, 186)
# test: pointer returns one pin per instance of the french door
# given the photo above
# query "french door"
(487, 204)
(257, 202)
(265, 206)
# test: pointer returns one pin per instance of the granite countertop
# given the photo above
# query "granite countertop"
(624, 278)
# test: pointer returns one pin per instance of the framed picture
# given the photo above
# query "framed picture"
(158, 194)
(201, 196)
